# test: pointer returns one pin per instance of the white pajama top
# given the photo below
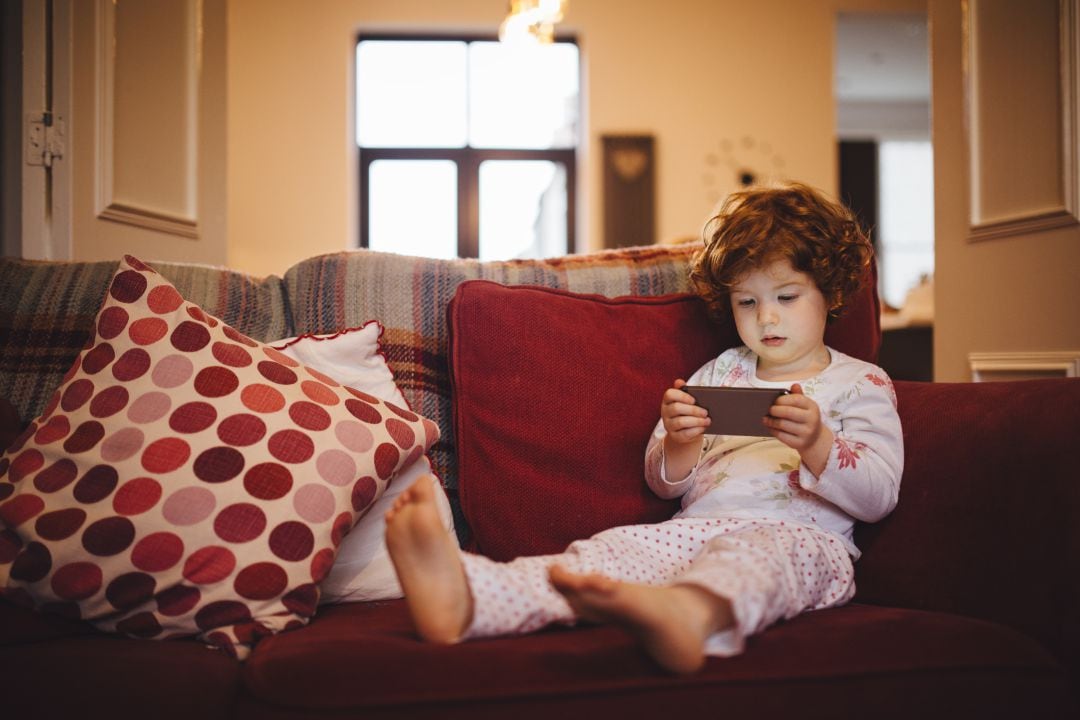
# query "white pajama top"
(760, 477)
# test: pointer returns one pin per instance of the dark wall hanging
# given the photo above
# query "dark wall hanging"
(629, 188)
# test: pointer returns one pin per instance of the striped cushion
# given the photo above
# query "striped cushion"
(47, 314)
(409, 297)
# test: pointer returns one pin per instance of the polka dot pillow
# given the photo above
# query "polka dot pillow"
(187, 480)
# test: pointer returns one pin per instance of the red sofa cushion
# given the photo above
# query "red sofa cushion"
(556, 394)
(985, 525)
(855, 661)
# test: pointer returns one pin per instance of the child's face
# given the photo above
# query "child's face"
(780, 315)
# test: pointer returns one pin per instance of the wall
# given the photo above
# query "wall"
(1014, 294)
(716, 82)
(695, 74)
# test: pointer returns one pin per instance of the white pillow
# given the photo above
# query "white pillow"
(362, 570)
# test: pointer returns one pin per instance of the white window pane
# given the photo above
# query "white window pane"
(523, 97)
(906, 220)
(522, 209)
(413, 207)
(411, 94)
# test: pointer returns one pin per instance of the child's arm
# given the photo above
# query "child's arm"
(685, 424)
(859, 468)
(795, 420)
(676, 445)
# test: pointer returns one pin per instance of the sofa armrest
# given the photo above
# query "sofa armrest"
(988, 523)
(10, 424)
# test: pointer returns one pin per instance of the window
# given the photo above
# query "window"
(467, 147)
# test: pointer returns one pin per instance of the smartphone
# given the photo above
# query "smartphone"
(735, 410)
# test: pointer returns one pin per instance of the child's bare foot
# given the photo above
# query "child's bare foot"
(671, 621)
(428, 565)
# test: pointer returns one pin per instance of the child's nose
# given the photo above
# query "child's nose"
(766, 314)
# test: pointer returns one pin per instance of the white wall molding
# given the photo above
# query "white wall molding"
(1019, 188)
(148, 219)
(1023, 224)
(1069, 39)
(143, 182)
(986, 366)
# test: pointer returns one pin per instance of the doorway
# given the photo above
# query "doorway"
(35, 69)
(882, 95)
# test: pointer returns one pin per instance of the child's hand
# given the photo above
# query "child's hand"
(795, 420)
(683, 420)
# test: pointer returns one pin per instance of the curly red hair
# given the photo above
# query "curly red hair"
(758, 226)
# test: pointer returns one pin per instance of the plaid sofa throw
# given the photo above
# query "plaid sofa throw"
(47, 312)
(409, 296)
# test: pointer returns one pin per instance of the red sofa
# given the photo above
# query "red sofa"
(968, 601)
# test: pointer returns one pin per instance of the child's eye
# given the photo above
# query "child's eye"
(788, 298)
(744, 303)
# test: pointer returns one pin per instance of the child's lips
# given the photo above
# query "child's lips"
(772, 341)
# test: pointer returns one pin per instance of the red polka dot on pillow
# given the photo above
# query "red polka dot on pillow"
(188, 480)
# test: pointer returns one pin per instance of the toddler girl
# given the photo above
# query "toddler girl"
(766, 525)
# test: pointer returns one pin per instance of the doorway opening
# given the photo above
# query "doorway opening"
(882, 95)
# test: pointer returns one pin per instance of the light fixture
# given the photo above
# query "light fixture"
(532, 21)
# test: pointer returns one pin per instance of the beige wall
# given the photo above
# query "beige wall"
(1007, 295)
(696, 74)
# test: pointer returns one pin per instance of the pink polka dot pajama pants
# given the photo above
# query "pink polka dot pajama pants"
(768, 569)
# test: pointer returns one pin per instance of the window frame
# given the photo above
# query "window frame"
(467, 160)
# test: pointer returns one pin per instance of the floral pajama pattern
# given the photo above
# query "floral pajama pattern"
(769, 570)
